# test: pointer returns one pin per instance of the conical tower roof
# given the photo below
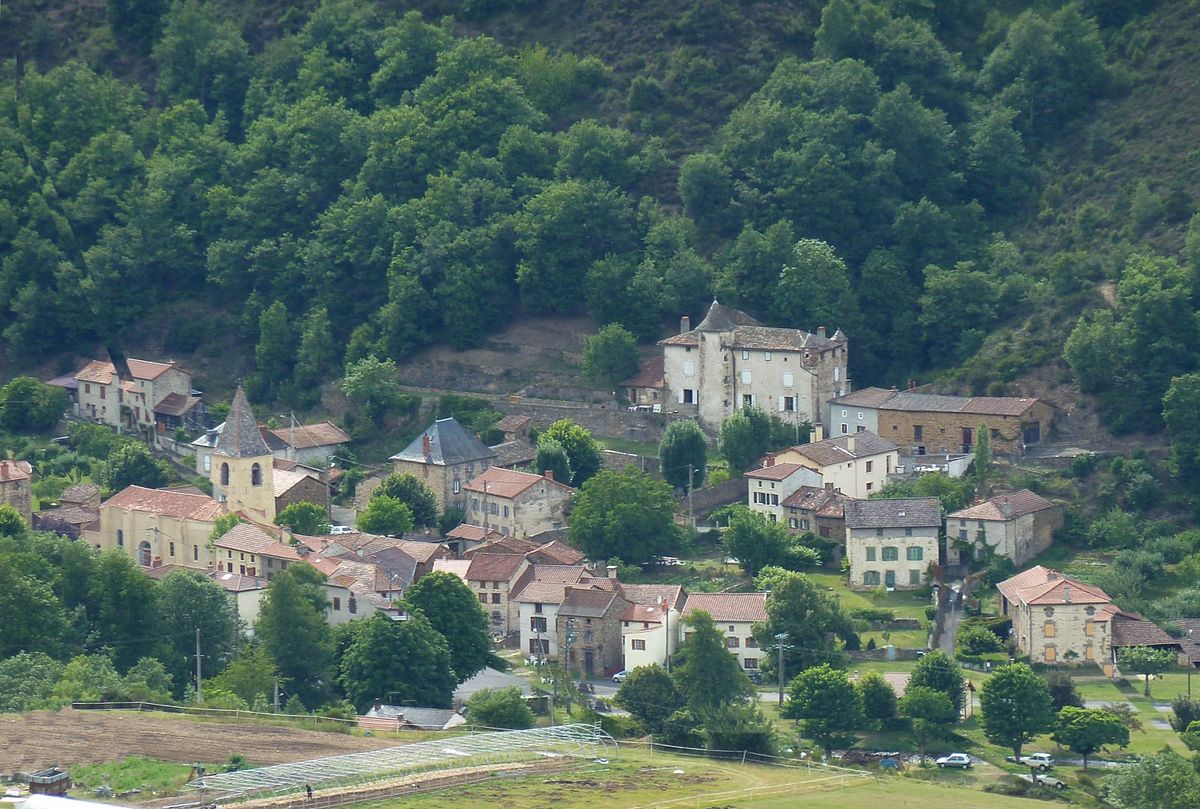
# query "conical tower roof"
(241, 438)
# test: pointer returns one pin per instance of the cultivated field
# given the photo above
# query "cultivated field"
(43, 738)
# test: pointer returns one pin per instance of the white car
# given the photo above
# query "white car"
(340, 529)
(961, 760)
(1044, 781)
(620, 676)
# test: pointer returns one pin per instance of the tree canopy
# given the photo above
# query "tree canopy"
(828, 706)
(454, 612)
(625, 514)
(1016, 707)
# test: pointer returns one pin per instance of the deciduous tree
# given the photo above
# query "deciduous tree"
(303, 517)
(827, 705)
(387, 516)
(705, 673)
(189, 603)
(454, 612)
(683, 449)
(931, 713)
(625, 514)
(650, 695)
(582, 450)
(937, 671)
(1086, 730)
(131, 465)
(406, 488)
(499, 708)
(409, 658)
(1016, 707)
(1146, 661)
(1164, 780)
(610, 354)
(291, 625)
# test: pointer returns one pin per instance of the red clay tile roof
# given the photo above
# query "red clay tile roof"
(512, 424)
(555, 552)
(507, 483)
(837, 450)
(643, 613)
(1133, 630)
(494, 566)
(779, 471)
(649, 375)
(167, 503)
(1041, 585)
(472, 533)
(15, 470)
(103, 372)
(824, 502)
(502, 544)
(1018, 503)
(650, 593)
(729, 607)
(307, 436)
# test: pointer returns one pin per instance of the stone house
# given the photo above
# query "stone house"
(159, 526)
(1056, 618)
(311, 444)
(892, 543)
(731, 361)
(517, 503)
(816, 510)
(538, 600)
(294, 486)
(856, 465)
(129, 404)
(588, 626)
(735, 614)
(650, 627)
(1019, 526)
(857, 411)
(495, 578)
(933, 424)
(647, 387)
(444, 457)
(16, 484)
(768, 487)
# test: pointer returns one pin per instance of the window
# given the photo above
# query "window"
(870, 486)
(171, 546)
(103, 390)
(870, 465)
(751, 643)
(689, 368)
(788, 404)
(878, 532)
(845, 428)
(747, 400)
(255, 475)
(995, 433)
(1051, 654)
(483, 598)
(766, 356)
(120, 538)
(750, 663)
(689, 396)
(144, 554)
(87, 388)
(871, 578)
(1089, 652)
(918, 432)
(352, 605)
(537, 624)
(588, 636)
(891, 553)
(788, 380)
(907, 532)
(837, 374)
(732, 629)
(860, 416)
(793, 523)
(497, 618)
(270, 562)
(539, 646)
(207, 464)
(506, 511)
(1049, 629)
(537, 608)
(804, 525)
(337, 604)
(860, 429)
(495, 598)
(638, 645)
(732, 643)
(745, 355)
(1089, 628)
(915, 554)
(224, 474)
(456, 487)
(746, 377)
(871, 554)
(914, 577)
(196, 554)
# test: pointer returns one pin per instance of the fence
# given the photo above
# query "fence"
(332, 723)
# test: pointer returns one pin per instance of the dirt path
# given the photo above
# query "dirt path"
(41, 739)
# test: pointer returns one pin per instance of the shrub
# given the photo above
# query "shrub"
(977, 640)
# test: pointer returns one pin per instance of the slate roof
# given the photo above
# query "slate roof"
(780, 471)
(1041, 585)
(729, 607)
(179, 505)
(449, 444)
(70, 514)
(824, 502)
(1018, 503)
(514, 453)
(513, 424)
(421, 718)
(836, 450)
(508, 483)
(897, 512)
(975, 405)
(749, 333)
(866, 397)
(176, 404)
(81, 494)
(240, 438)
(307, 436)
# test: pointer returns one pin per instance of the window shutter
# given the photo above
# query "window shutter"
(681, 395)
(788, 380)
(780, 404)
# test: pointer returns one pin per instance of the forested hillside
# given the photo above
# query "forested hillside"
(292, 188)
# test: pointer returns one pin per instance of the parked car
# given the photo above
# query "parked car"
(340, 529)
(1044, 780)
(961, 760)
(620, 676)
(1037, 761)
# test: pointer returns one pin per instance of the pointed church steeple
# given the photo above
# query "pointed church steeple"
(242, 465)
(241, 438)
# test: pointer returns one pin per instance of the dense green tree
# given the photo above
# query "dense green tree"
(827, 705)
(276, 350)
(148, 681)
(204, 57)
(251, 676)
(32, 616)
(370, 384)
(706, 188)
(683, 454)
(931, 714)
(303, 517)
(26, 681)
(1016, 707)
(757, 543)
(132, 465)
(1146, 661)
(809, 617)
(454, 612)
(87, 678)
(582, 450)
(1086, 730)
(406, 488)
(122, 608)
(499, 708)
(625, 514)
(610, 355)
(408, 658)
(977, 640)
(385, 515)
(1062, 690)
(316, 357)
(553, 458)
(706, 675)
(1164, 780)
(814, 289)
(649, 693)
(291, 626)
(738, 442)
(188, 604)
(1180, 406)
(878, 699)
(937, 671)
(29, 406)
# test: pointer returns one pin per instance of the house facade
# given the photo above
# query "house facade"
(445, 457)
(1056, 618)
(1018, 526)
(891, 543)
(651, 626)
(16, 485)
(516, 503)
(495, 578)
(537, 606)
(857, 411)
(735, 614)
(589, 630)
(311, 444)
(816, 510)
(159, 527)
(731, 361)
(767, 488)
(129, 404)
(856, 465)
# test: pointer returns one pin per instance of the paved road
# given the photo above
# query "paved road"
(952, 610)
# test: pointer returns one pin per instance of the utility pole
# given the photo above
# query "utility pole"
(779, 647)
(199, 682)
(276, 701)
(691, 513)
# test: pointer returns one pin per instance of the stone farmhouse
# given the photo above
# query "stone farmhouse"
(891, 543)
(732, 361)
(1018, 526)
(927, 423)
(16, 483)
(817, 510)
(156, 397)
(516, 503)
(856, 465)
(444, 457)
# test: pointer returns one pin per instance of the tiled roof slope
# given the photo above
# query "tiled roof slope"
(897, 512)
(166, 503)
(837, 450)
(1018, 503)
(727, 607)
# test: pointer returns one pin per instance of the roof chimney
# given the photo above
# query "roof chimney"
(821, 332)
(1051, 575)
(685, 324)
(1006, 508)
(548, 474)
(611, 571)
(850, 443)
(426, 447)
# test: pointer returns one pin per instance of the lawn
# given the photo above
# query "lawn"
(904, 603)
(149, 776)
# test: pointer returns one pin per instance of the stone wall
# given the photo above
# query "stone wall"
(712, 497)
(942, 432)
